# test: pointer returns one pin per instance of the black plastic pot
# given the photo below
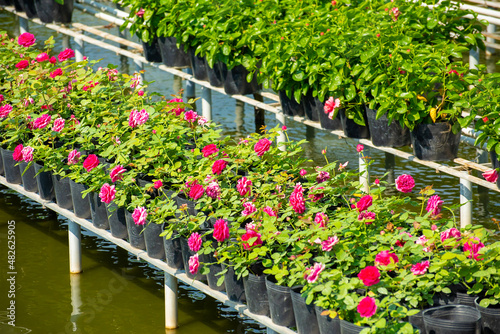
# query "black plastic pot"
(490, 318)
(280, 303)
(190, 205)
(2, 171)
(234, 286)
(417, 321)
(81, 206)
(349, 328)
(235, 81)
(213, 276)
(12, 172)
(62, 190)
(215, 75)
(435, 142)
(383, 134)
(29, 8)
(173, 252)
(352, 129)
(28, 176)
(256, 293)
(45, 185)
(310, 108)
(324, 120)
(326, 324)
(305, 315)
(154, 243)
(290, 106)
(171, 55)
(50, 11)
(98, 212)
(5, 3)
(452, 319)
(135, 235)
(117, 221)
(17, 5)
(186, 254)
(152, 51)
(199, 65)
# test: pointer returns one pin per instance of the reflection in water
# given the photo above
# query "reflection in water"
(76, 299)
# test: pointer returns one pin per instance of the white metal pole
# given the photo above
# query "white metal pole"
(465, 202)
(170, 301)
(190, 87)
(390, 162)
(79, 49)
(364, 173)
(473, 58)
(239, 118)
(491, 28)
(23, 25)
(75, 249)
(280, 117)
(65, 42)
(206, 102)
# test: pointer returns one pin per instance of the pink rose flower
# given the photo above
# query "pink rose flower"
(303, 172)
(312, 273)
(364, 203)
(53, 60)
(369, 275)
(90, 162)
(56, 73)
(194, 242)
(450, 233)
(473, 245)
(385, 258)
(367, 307)
(249, 208)
(58, 124)
(42, 57)
(269, 211)
(5, 110)
(158, 184)
(297, 199)
(322, 176)
(17, 155)
(73, 157)
(221, 230)
(140, 12)
(262, 146)
(244, 186)
(177, 110)
(26, 39)
(315, 196)
(194, 264)
(219, 166)
(196, 191)
(250, 234)
(367, 216)
(213, 190)
(395, 12)
(360, 148)
(491, 175)
(42, 121)
(420, 268)
(434, 204)
(190, 116)
(321, 219)
(328, 244)
(140, 214)
(27, 153)
(22, 64)
(116, 173)
(330, 105)
(107, 193)
(209, 150)
(65, 55)
(137, 118)
(405, 183)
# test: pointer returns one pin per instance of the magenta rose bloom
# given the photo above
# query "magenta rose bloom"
(367, 307)
(42, 57)
(107, 193)
(17, 155)
(140, 214)
(385, 258)
(137, 118)
(209, 150)
(158, 184)
(194, 242)
(244, 186)
(58, 124)
(116, 173)
(491, 175)
(312, 273)
(322, 176)
(405, 183)
(22, 64)
(420, 268)
(473, 246)
(219, 166)
(190, 116)
(73, 157)
(367, 216)
(262, 146)
(194, 264)
(221, 230)
(297, 199)
(330, 105)
(249, 208)
(5, 110)
(26, 39)
(90, 162)
(196, 191)
(450, 233)
(434, 204)
(42, 121)
(213, 190)
(269, 211)
(177, 110)
(360, 148)
(328, 244)
(369, 275)
(364, 203)
(27, 153)
(56, 73)
(321, 219)
(249, 235)
(65, 55)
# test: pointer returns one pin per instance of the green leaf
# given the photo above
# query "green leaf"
(448, 256)
(226, 50)
(381, 323)
(432, 23)
(298, 76)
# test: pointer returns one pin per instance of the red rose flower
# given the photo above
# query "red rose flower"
(65, 55)
(26, 39)
(22, 64)
(91, 162)
(369, 275)
(364, 203)
(262, 146)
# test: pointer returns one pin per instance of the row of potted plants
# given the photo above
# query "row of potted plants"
(48, 11)
(248, 217)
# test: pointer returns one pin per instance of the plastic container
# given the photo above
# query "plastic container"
(280, 303)
(186, 254)
(190, 205)
(28, 176)
(81, 206)
(12, 172)
(215, 75)
(199, 65)
(234, 287)
(2, 171)
(50, 11)
(213, 276)
(452, 319)
(173, 252)
(117, 221)
(45, 185)
(417, 321)
(352, 129)
(235, 81)
(326, 324)
(305, 315)
(98, 212)
(384, 134)
(310, 108)
(152, 51)
(62, 190)
(349, 328)
(29, 8)
(435, 142)
(154, 243)
(171, 55)
(135, 235)
(290, 106)
(490, 318)
(256, 294)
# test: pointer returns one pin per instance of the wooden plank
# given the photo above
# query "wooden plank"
(473, 165)
(270, 96)
(107, 35)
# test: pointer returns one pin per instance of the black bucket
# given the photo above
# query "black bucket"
(98, 212)
(62, 190)
(12, 172)
(152, 51)
(50, 11)
(327, 324)
(452, 319)
(324, 120)
(382, 134)
(29, 8)
(17, 5)
(171, 55)
(135, 235)
(310, 108)
(256, 293)
(186, 254)
(280, 303)
(290, 106)
(213, 276)
(199, 65)
(490, 318)
(352, 129)
(305, 315)
(435, 142)
(5, 3)
(236, 82)
(81, 206)
(173, 252)
(117, 221)
(234, 286)
(417, 321)
(215, 75)
(154, 243)
(28, 176)
(190, 205)
(45, 185)
(349, 328)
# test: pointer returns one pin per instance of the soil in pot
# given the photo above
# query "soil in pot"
(45, 185)
(327, 324)
(50, 11)
(28, 176)
(171, 55)
(352, 129)
(98, 212)
(81, 206)
(290, 106)
(199, 65)
(154, 243)
(234, 286)
(256, 294)
(12, 172)
(349, 328)
(280, 303)
(62, 190)
(305, 315)
(135, 235)
(186, 254)
(236, 82)
(435, 142)
(490, 318)
(152, 51)
(173, 252)
(215, 75)
(452, 319)
(117, 221)
(384, 134)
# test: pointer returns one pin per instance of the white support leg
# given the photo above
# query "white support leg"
(75, 249)
(239, 118)
(23, 25)
(65, 42)
(390, 162)
(190, 87)
(177, 86)
(280, 117)
(473, 58)
(364, 173)
(491, 28)
(79, 49)
(170, 301)
(206, 102)
(466, 202)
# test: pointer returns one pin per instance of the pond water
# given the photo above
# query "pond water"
(118, 293)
